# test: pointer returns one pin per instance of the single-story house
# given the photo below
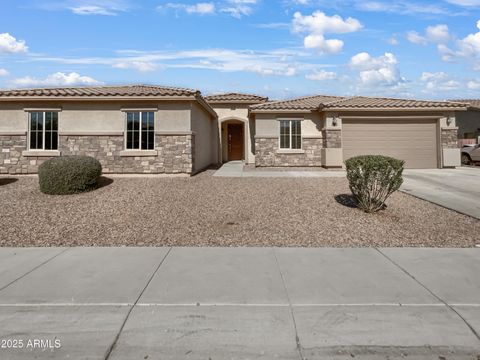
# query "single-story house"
(468, 122)
(129, 129)
(155, 129)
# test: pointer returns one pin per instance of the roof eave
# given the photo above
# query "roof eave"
(195, 97)
(96, 98)
(248, 102)
(201, 100)
(266, 111)
(394, 109)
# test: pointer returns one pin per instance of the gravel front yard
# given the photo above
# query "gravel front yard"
(208, 211)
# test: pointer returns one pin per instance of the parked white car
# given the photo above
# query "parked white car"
(470, 154)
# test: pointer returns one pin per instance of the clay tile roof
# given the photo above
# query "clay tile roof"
(236, 97)
(474, 103)
(304, 103)
(362, 102)
(101, 91)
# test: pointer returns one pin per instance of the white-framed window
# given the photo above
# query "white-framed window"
(43, 130)
(140, 130)
(290, 134)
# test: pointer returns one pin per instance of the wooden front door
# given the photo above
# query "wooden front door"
(235, 142)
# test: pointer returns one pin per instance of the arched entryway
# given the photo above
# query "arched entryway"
(233, 140)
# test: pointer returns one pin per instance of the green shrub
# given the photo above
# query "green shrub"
(69, 175)
(372, 179)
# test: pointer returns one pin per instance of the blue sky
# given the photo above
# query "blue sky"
(282, 49)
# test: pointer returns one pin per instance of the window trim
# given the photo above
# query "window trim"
(125, 133)
(29, 129)
(289, 149)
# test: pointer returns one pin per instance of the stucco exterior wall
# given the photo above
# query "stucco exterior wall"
(12, 118)
(205, 129)
(269, 125)
(96, 117)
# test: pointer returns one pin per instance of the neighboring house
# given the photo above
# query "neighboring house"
(154, 129)
(129, 129)
(468, 122)
(327, 130)
(236, 130)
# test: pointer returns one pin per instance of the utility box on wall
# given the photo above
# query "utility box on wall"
(451, 158)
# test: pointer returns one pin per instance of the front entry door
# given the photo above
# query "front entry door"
(235, 142)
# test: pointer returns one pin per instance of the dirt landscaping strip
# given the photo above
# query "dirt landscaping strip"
(212, 211)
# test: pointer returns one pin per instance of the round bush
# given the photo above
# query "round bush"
(372, 179)
(69, 175)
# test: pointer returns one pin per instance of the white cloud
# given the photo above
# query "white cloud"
(393, 41)
(470, 45)
(277, 25)
(203, 8)
(473, 85)
(238, 8)
(438, 33)
(92, 10)
(321, 75)
(143, 66)
(467, 48)
(318, 42)
(376, 71)
(439, 81)
(265, 70)
(279, 62)
(402, 7)
(374, 6)
(56, 79)
(10, 45)
(445, 52)
(415, 38)
(318, 24)
(92, 7)
(3, 72)
(468, 3)
(234, 8)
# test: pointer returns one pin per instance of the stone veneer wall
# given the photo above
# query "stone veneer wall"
(11, 159)
(266, 153)
(332, 138)
(449, 138)
(175, 154)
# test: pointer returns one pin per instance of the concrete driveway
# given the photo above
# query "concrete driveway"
(456, 189)
(239, 303)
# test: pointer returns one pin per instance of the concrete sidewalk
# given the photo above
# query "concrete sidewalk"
(241, 303)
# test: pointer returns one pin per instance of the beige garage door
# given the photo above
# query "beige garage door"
(414, 141)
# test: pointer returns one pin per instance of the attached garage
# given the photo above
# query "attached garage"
(412, 140)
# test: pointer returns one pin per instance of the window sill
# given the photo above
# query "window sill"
(290, 151)
(40, 153)
(139, 153)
